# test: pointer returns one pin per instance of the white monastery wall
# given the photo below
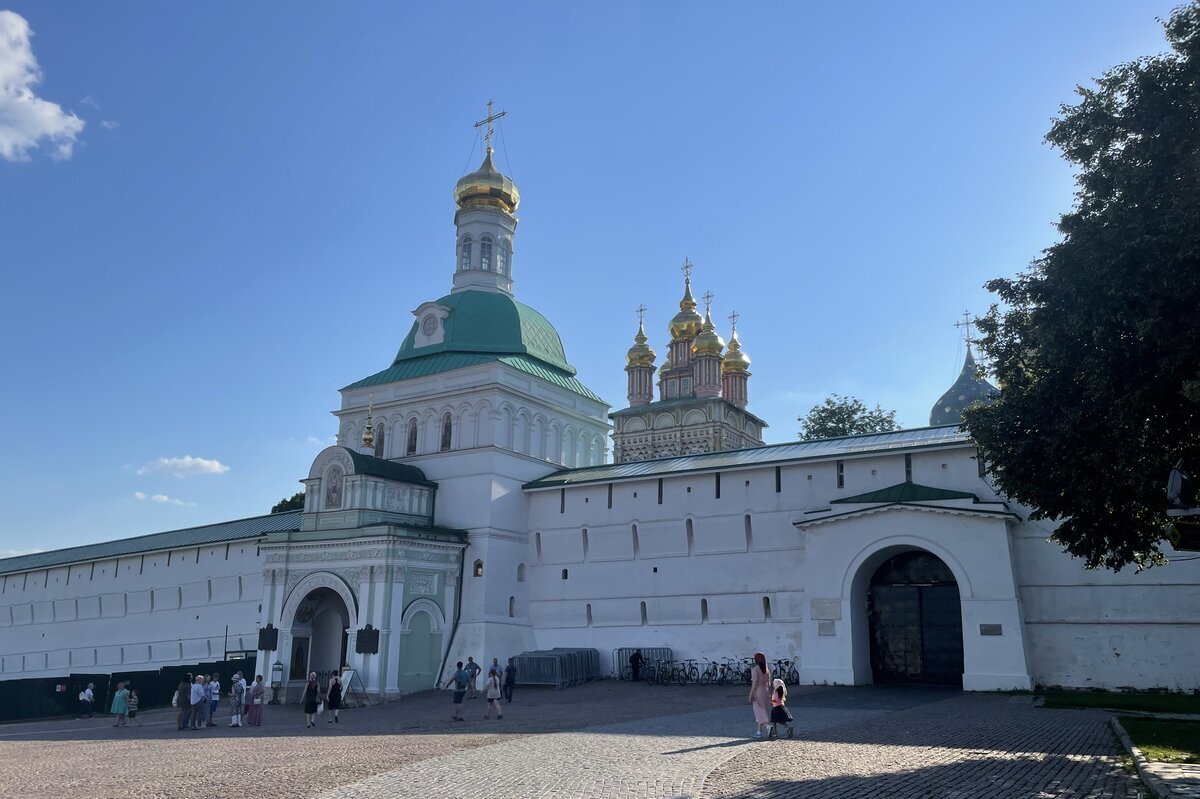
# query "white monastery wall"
(131, 613)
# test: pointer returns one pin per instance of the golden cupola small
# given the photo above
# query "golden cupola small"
(685, 325)
(708, 342)
(639, 365)
(735, 369)
(487, 187)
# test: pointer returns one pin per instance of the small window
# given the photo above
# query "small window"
(907, 468)
(464, 258)
(411, 447)
(537, 545)
(520, 572)
(749, 533)
(643, 607)
(636, 543)
(685, 386)
(691, 536)
(589, 614)
(704, 611)
(447, 431)
(478, 570)
(767, 608)
(841, 475)
(672, 388)
(512, 607)
(778, 479)
(379, 434)
(485, 253)
(502, 258)
(585, 543)
(564, 574)
(717, 486)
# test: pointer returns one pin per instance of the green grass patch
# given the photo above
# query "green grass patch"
(1154, 703)
(1165, 740)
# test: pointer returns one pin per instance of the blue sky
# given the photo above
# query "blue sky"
(218, 214)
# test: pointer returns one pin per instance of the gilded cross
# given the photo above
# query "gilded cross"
(641, 312)
(708, 298)
(487, 136)
(734, 316)
(966, 325)
(687, 269)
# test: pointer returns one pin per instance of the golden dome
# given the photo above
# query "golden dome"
(686, 323)
(368, 436)
(735, 359)
(487, 187)
(708, 342)
(640, 354)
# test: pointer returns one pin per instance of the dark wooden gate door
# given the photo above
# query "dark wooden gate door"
(915, 621)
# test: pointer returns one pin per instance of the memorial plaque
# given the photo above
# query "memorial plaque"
(268, 639)
(367, 642)
(991, 629)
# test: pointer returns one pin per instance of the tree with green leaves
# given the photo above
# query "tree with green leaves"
(295, 502)
(1097, 345)
(845, 416)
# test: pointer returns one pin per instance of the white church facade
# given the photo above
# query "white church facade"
(470, 507)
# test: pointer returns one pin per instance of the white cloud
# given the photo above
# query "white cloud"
(184, 467)
(26, 120)
(109, 124)
(163, 499)
(15, 553)
(89, 100)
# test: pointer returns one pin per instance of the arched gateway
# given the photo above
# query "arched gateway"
(915, 619)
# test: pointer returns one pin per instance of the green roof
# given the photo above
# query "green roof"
(390, 470)
(907, 492)
(795, 451)
(173, 539)
(494, 323)
(448, 361)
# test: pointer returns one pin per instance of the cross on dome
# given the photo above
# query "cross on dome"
(488, 120)
(734, 316)
(966, 324)
(708, 298)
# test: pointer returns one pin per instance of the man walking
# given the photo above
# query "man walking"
(635, 664)
(472, 669)
(199, 704)
(87, 699)
(510, 680)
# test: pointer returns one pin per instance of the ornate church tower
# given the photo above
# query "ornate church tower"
(735, 369)
(702, 396)
(967, 390)
(486, 203)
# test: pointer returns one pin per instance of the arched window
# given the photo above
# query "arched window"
(464, 257)
(749, 534)
(767, 608)
(512, 607)
(478, 569)
(502, 257)
(485, 252)
(520, 572)
(636, 542)
(537, 543)
(589, 614)
(644, 618)
(447, 431)
(411, 447)
(379, 433)
(564, 574)
(691, 536)
(585, 543)
(704, 611)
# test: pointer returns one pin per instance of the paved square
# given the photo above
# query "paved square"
(610, 740)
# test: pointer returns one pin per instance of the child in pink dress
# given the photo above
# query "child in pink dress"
(779, 711)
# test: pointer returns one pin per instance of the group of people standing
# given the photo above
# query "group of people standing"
(499, 686)
(198, 697)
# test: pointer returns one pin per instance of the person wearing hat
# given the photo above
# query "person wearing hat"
(237, 694)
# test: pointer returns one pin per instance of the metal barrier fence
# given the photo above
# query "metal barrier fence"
(650, 654)
(558, 668)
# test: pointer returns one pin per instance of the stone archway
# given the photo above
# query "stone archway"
(318, 616)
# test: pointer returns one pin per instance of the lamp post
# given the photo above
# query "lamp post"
(276, 681)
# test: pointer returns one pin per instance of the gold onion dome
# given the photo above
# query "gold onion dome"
(686, 323)
(708, 342)
(487, 187)
(735, 359)
(640, 353)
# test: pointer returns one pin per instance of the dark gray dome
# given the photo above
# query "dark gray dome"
(967, 390)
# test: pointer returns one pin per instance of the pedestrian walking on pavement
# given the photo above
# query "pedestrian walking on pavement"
(510, 680)
(333, 699)
(472, 669)
(635, 664)
(132, 701)
(760, 693)
(258, 698)
(199, 703)
(460, 680)
(87, 701)
(493, 695)
(779, 711)
(311, 698)
(119, 706)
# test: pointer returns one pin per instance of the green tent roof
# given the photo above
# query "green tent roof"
(906, 492)
(493, 323)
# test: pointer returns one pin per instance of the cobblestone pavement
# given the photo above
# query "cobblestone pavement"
(968, 745)
(606, 740)
(1182, 779)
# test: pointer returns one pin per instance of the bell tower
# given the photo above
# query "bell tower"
(485, 222)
